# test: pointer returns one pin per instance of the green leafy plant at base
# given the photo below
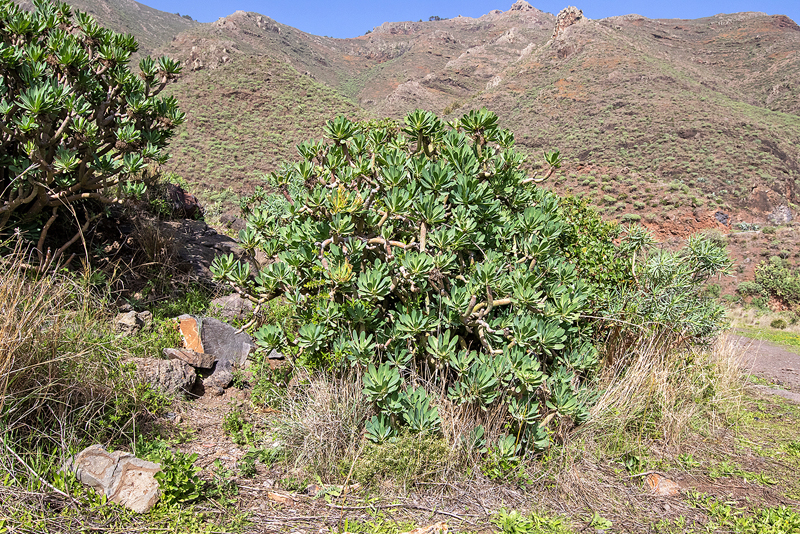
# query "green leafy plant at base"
(78, 128)
(422, 256)
(178, 481)
(513, 522)
(236, 428)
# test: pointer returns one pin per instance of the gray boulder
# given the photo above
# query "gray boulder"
(168, 376)
(120, 476)
(212, 336)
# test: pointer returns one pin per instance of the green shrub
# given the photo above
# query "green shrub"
(78, 126)
(631, 217)
(427, 251)
(780, 324)
(749, 288)
(779, 280)
(407, 459)
(769, 230)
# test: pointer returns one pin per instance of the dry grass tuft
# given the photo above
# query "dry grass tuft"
(59, 370)
(657, 392)
(322, 422)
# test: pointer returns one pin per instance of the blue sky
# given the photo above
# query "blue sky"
(351, 18)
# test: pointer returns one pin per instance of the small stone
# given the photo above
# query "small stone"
(214, 391)
(128, 323)
(219, 379)
(146, 317)
(436, 528)
(232, 307)
(662, 486)
(198, 360)
(279, 498)
(120, 476)
(313, 490)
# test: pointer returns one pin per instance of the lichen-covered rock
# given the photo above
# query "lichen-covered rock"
(120, 476)
(168, 376)
(780, 215)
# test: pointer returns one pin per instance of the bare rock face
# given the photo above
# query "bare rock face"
(232, 307)
(566, 18)
(780, 215)
(169, 376)
(120, 476)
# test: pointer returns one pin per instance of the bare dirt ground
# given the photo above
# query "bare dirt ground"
(772, 363)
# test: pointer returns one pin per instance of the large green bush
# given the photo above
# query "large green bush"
(425, 259)
(779, 280)
(77, 126)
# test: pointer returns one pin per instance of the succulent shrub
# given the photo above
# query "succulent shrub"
(424, 256)
(78, 128)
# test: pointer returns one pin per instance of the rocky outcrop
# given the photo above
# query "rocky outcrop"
(198, 244)
(212, 336)
(522, 5)
(567, 17)
(183, 204)
(120, 476)
(780, 215)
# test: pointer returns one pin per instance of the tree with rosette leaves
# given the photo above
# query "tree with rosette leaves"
(77, 127)
(424, 256)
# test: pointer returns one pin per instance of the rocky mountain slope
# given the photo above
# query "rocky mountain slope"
(663, 121)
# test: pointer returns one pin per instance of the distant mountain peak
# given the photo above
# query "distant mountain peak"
(522, 5)
(567, 17)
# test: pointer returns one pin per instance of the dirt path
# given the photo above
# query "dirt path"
(773, 363)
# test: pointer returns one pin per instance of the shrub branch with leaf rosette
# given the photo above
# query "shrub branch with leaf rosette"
(424, 258)
(77, 126)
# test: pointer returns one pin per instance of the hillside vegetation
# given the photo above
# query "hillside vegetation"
(428, 322)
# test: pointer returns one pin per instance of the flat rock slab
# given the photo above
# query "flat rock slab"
(168, 376)
(120, 476)
(206, 335)
(198, 360)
